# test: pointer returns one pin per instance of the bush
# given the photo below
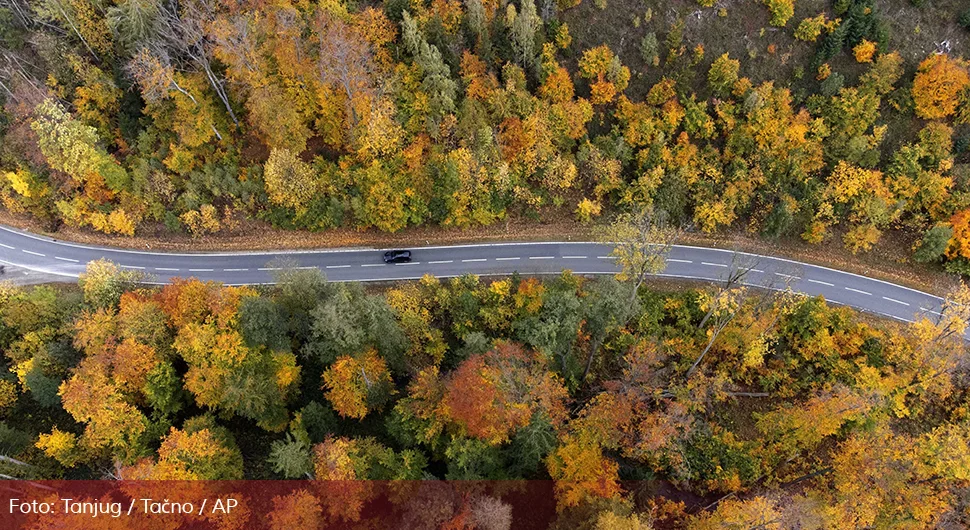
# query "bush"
(832, 84)
(964, 19)
(649, 49)
(586, 210)
(809, 29)
(723, 74)
(864, 51)
(959, 265)
(933, 244)
(781, 11)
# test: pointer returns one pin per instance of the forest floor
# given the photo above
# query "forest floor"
(889, 260)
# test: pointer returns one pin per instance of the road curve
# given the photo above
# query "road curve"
(61, 258)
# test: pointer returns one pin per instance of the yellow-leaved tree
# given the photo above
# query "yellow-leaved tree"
(289, 181)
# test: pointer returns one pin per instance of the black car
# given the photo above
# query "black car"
(397, 256)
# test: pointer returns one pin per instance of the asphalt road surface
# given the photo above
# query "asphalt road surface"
(43, 254)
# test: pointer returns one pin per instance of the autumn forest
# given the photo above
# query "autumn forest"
(787, 411)
(646, 404)
(124, 115)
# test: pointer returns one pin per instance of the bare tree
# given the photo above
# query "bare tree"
(16, 71)
(57, 10)
(20, 10)
(184, 33)
(155, 75)
(344, 59)
(237, 42)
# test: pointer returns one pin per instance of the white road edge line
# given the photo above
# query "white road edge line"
(821, 282)
(34, 253)
(436, 262)
(473, 260)
(66, 259)
(894, 300)
(713, 264)
(931, 311)
(858, 291)
(506, 259)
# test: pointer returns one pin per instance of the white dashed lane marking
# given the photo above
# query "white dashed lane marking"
(679, 260)
(473, 260)
(200, 270)
(821, 282)
(574, 257)
(605, 257)
(6, 246)
(931, 311)
(757, 270)
(894, 300)
(338, 266)
(506, 259)
(713, 264)
(132, 267)
(166, 270)
(34, 253)
(540, 257)
(234, 270)
(409, 263)
(374, 265)
(789, 276)
(66, 259)
(266, 269)
(858, 291)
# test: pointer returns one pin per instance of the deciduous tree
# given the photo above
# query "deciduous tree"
(939, 82)
(643, 238)
(358, 385)
(606, 74)
(290, 181)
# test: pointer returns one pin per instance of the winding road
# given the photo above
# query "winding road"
(44, 254)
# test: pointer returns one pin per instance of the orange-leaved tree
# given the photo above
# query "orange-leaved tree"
(606, 74)
(490, 396)
(939, 84)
